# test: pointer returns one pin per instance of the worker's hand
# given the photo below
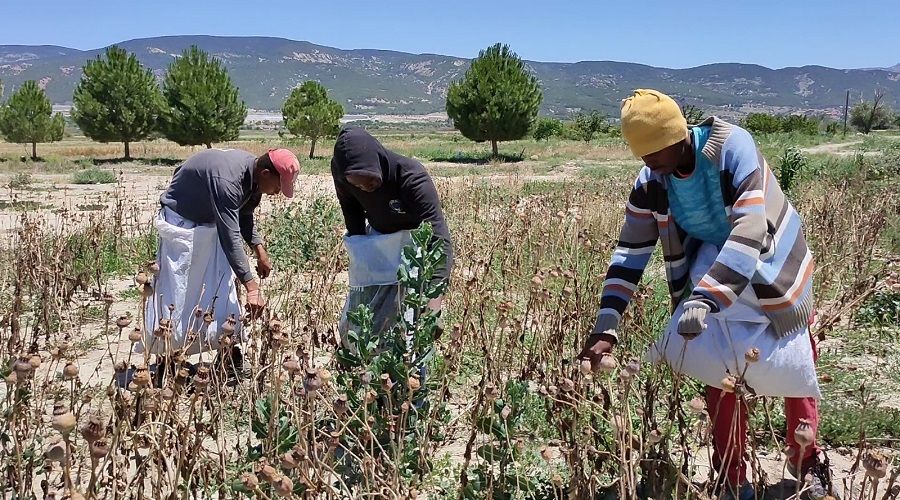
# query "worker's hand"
(255, 304)
(596, 346)
(693, 319)
(263, 263)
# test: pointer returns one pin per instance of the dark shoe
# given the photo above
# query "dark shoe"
(231, 364)
(816, 474)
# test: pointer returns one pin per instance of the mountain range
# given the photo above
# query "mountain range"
(368, 81)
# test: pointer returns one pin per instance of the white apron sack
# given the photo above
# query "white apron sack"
(193, 273)
(375, 259)
(786, 367)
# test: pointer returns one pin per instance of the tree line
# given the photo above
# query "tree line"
(497, 99)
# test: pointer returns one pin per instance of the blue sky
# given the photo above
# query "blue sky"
(774, 33)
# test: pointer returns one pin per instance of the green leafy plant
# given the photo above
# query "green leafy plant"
(546, 128)
(94, 176)
(588, 125)
(793, 162)
(881, 309)
(382, 370)
(301, 232)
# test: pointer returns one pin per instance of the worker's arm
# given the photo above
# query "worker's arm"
(354, 215)
(420, 197)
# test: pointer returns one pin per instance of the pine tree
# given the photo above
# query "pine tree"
(117, 100)
(202, 105)
(310, 113)
(28, 118)
(497, 99)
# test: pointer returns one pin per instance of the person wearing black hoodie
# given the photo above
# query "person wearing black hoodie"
(389, 191)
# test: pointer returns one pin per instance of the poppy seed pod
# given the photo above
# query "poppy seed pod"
(99, 448)
(284, 487)
(153, 267)
(752, 355)
(141, 278)
(804, 434)
(63, 420)
(93, 429)
(729, 384)
(70, 371)
(585, 367)
(607, 363)
(136, 336)
(249, 481)
(876, 465)
(123, 321)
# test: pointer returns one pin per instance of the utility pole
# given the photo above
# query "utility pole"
(846, 105)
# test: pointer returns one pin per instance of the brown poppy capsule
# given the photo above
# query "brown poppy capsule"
(120, 367)
(537, 282)
(607, 363)
(557, 480)
(141, 377)
(370, 397)
(826, 378)
(202, 378)
(552, 391)
(340, 404)
(312, 382)
(141, 278)
(697, 405)
(456, 332)
(23, 367)
(171, 309)
(804, 434)
(108, 299)
(413, 383)
(275, 325)
(386, 383)
(147, 291)
(56, 451)
(12, 378)
(876, 465)
(325, 375)
(153, 267)
(633, 367)
(208, 317)
(655, 436)
(35, 361)
(284, 487)
(549, 453)
(289, 461)
(729, 383)
(70, 371)
(111, 390)
(752, 355)
(167, 394)
(230, 326)
(99, 448)
(268, 473)
(151, 400)
(291, 365)
(93, 429)
(585, 367)
(124, 321)
(136, 336)
(490, 392)
(63, 420)
(249, 481)
(567, 385)
(505, 412)
(366, 378)
(182, 375)
(198, 313)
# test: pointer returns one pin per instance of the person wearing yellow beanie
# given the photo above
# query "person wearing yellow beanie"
(651, 122)
(706, 190)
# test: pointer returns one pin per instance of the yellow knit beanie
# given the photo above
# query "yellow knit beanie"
(651, 122)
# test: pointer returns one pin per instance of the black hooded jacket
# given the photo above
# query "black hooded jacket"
(407, 196)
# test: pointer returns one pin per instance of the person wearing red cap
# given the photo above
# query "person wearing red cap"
(206, 217)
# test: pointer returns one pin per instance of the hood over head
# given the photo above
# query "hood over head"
(356, 152)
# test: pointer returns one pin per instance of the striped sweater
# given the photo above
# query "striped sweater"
(765, 249)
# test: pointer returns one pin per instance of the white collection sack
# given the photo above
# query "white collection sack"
(785, 368)
(375, 259)
(193, 272)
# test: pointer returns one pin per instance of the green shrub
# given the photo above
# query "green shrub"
(588, 125)
(21, 180)
(301, 232)
(881, 309)
(793, 162)
(546, 128)
(94, 176)
(761, 123)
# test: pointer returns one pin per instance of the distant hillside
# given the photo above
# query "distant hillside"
(385, 82)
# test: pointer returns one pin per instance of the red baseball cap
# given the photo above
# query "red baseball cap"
(287, 165)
